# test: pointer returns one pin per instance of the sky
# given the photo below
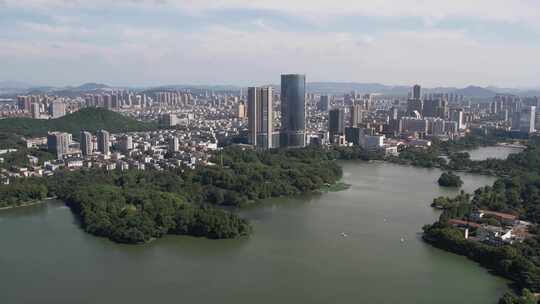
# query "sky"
(252, 42)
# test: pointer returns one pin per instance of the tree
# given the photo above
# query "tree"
(449, 179)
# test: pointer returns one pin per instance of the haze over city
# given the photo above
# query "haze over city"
(241, 42)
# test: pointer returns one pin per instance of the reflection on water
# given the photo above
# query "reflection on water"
(498, 152)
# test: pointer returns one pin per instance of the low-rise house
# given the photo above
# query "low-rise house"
(463, 224)
(6, 151)
(391, 150)
(74, 163)
(504, 218)
(35, 142)
(33, 160)
(494, 235)
(53, 166)
(122, 165)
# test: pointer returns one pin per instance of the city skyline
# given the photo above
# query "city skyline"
(358, 41)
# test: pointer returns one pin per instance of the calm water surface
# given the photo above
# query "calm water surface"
(498, 152)
(296, 255)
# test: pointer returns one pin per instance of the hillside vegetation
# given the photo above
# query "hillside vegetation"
(90, 119)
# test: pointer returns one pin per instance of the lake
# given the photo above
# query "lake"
(498, 152)
(341, 247)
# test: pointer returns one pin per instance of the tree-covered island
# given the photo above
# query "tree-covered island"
(450, 179)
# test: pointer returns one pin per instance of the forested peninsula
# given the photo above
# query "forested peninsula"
(515, 194)
(138, 206)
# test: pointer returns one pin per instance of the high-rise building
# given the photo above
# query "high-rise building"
(168, 120)
(24, 103)
(435, 108)
(537, 121)
(324, 103)
(104, 142)
(241, 110)
(451, 127)
(393, 120)
(86, 143)
(435, 126)
(174, 144)
(35, 110)
(413, 124)
(57, 109)
(126, 143)
(293, 110)
(357, 115)
(58, 143)
(108, 102)
(457, 115)
(336, 123)
(524, 120)
(371, 142)
(115, 101)
(414, 105)
(260, 117)
(430, 108)
(394, 113)
(416, 92)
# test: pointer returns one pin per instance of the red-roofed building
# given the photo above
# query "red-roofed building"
(505, 218)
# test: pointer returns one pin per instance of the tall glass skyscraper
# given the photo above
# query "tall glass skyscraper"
(293, 110)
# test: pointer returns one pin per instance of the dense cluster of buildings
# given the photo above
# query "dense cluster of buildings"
(195, 121)
(511, 113)
(158, 150)
(363, 120)
(42, 107)
(125, 99)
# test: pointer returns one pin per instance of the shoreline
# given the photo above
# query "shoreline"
(479, 253)
(27, 204)
(509, 145)
(335, 187)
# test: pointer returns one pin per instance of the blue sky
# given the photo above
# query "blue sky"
(250, 42)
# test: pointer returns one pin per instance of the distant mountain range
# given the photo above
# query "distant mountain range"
(14, 87)
(470, 91)
(91, 86)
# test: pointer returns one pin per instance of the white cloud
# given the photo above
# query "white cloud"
(527, 11)
(220, 54)
(212, 53)
(54, 29)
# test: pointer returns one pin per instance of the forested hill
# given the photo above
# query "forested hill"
(90, 119)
